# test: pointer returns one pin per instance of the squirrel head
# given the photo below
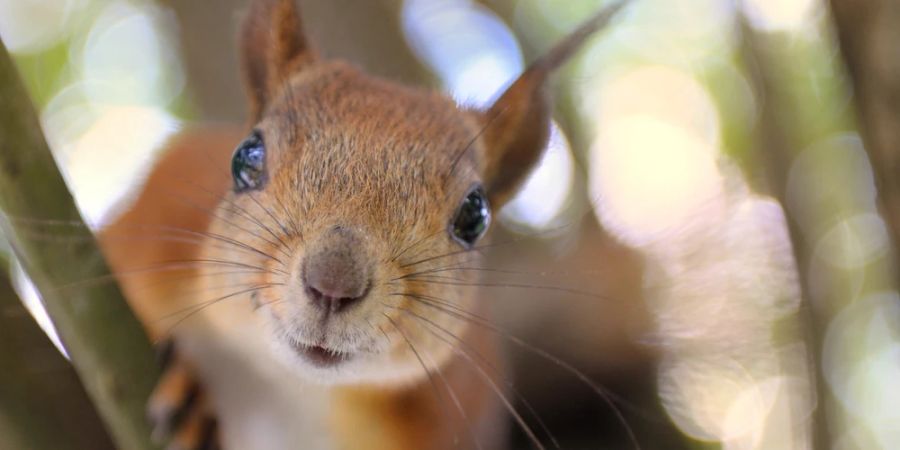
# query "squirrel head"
(362, 201)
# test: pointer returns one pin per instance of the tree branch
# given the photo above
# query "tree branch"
(869, 31)
(107, 344)
(776, 144)
(43, 405)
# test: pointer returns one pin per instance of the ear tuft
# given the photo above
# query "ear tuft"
(272, 48)
(517, 125)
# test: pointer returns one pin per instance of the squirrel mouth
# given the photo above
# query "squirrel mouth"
(321, 356)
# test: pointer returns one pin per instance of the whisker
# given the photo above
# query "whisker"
(50, 222)
(608, 397)
(433, 258)
(413, 245)
(47, 237)
(239, 210)
(491, 245)
(196, 308)
(511, 285)
(271, 215)
(434, 278)
(213, 214)
(474, 139)
(437, 394)
(372, 326)
(224, 239)
(487, 378)
(171, 280)
(243, 245)
(226, 286)
(291, 218)
(200, 237)
(269, 303)
(234, 264)
(531, 411)
(493, 270)
(165, 266)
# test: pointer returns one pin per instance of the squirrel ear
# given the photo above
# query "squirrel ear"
(272, 48)
(516, 127)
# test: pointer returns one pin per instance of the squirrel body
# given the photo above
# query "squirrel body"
(318, 272)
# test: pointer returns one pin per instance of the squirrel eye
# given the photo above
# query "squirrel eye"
(248, 165)
(472, 218)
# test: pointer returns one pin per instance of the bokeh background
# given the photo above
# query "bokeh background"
(706, 187)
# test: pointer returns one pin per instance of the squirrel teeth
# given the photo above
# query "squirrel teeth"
(321, 356)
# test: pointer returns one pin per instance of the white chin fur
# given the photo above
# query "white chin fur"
(361, 368)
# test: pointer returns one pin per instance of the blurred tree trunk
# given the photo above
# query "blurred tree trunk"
(367, 33)
(869, 35)
(43, 406)
(775, 141)
(107, 344)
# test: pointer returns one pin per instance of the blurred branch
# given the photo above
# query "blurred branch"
(776, 144)
(43, 405)
(869, 32)
(107, 344)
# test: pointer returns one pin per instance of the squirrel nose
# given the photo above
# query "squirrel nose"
(336, 276)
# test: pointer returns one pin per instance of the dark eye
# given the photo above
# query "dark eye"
(248, 165)
(472, 218)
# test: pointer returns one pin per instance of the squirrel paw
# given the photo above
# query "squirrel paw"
(178, 408)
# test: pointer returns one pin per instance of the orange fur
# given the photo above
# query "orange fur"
(176, 194)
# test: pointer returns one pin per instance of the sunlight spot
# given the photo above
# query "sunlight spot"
(772, 413)
(746, 406)
(111, 117)
(479, 81)
(472, 50)
(32, 300)
(31, 26)
(543, 197)
(649, 177)
(68, 115)
(854, 241)
(744, 421)
(665, 93)
(654, 163)
(697, 393)
(127, 60)
(123, 138)
(690, 34)
(876, 382)
(861, 361)
(779, 15)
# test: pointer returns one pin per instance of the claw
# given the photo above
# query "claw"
(178, 409)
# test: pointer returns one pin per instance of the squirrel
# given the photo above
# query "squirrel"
(305, 261)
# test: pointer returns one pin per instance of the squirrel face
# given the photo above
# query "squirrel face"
(357, 203)
(355, 178)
